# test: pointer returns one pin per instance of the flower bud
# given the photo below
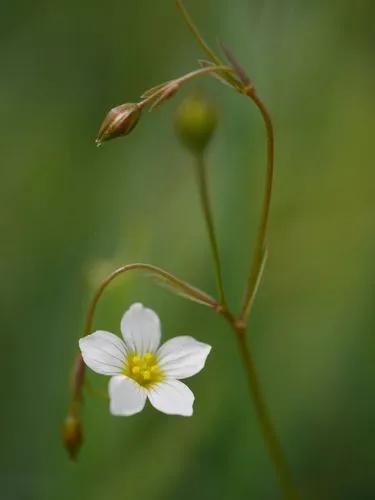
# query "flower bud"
(195, 123)
(72, 435)
(119, 121)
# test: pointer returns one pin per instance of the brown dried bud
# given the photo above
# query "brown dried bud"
(72, 435)
(119, 121)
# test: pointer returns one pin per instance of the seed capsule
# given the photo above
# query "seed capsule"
(72, 435)
(120, 121)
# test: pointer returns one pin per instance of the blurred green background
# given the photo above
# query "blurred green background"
(70, 212)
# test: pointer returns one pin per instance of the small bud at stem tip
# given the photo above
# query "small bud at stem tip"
(120, 121)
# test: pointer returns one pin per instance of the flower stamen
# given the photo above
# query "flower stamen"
(143, 368)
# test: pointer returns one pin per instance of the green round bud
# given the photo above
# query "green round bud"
(195, 122)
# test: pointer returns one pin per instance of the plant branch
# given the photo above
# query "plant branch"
(201, 170)
(201, 41)
(157, 91)
(176, 283)
(260, 245)
(193, 28)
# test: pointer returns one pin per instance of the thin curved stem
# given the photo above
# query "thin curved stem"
(184, 79)
(179, 284)
(77, 381)
(206, 70)
(201, 170)
(260, 245)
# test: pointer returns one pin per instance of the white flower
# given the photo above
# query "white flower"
(139, 369)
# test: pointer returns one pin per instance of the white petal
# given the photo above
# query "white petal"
(140, 328)
(103, 352)
(172, 397)
(182, 357)
(127, 397)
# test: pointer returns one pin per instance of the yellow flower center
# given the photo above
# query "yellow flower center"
(144, 369)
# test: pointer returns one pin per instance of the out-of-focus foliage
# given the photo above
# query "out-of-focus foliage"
(71, 211)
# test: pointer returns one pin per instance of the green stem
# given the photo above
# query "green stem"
(201, 170)
(260, 245)
(269, 434)
(201, 41)
(193, 28)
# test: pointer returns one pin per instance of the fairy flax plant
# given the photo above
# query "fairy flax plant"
(138, 372)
